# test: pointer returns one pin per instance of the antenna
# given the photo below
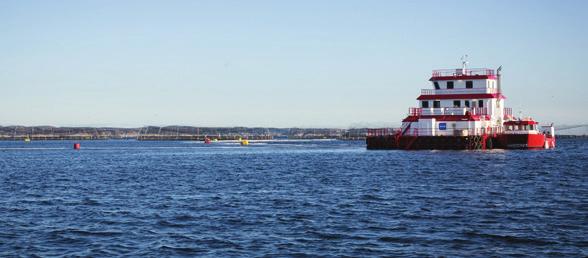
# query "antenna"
(498, 79)
(464, 63)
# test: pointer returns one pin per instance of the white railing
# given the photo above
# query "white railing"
(459, 91)
(453, 131)
(458, 72)
(453, 111)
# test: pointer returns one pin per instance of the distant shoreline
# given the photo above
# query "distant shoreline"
(182, 133)
(186, 133)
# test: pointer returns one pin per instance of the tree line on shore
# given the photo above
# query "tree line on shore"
(175, 132)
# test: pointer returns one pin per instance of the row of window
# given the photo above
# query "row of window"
(521, 127)
(449, 85)
(456, 103)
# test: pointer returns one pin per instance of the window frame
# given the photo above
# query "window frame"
(469, 84)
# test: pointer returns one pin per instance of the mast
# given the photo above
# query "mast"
(498, 79)
(464, 63)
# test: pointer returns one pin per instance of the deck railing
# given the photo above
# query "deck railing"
(507, 113)
(382, 131)
(447, 111)
(415, 111)
(453, 131)
(435, 131)
(460, 72)
(459, 91)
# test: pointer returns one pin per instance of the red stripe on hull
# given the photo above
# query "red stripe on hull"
(462, 96)
(444, 118)
(462, 77)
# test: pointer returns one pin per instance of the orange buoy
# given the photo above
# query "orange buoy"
(76, 146)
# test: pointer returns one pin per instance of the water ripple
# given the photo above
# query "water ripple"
(325, 198)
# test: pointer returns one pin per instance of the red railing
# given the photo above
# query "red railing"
(427, 92)
(415, 111)
(459, 72)
(479, 111)
(507, 113)
(382, 131)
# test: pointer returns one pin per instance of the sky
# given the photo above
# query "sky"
(279, 63)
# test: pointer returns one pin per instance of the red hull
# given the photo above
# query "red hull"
(526, 141)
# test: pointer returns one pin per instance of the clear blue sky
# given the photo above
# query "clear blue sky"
(278, 63)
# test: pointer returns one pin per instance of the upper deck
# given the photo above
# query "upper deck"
(462, 74)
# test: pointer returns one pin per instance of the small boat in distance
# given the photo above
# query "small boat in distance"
(463, 110)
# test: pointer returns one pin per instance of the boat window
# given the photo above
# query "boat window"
(456, 103)
(480, 103)
(436, 85)
(450, 85)
(509, 128)
(469, 84)
(425, 104)
(436, 104)
(466, 103)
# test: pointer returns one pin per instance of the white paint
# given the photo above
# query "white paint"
(427, 126)
(461, 84)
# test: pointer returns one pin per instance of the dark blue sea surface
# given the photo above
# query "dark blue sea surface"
(290, 198)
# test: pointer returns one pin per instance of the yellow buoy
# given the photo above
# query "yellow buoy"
(245, 142)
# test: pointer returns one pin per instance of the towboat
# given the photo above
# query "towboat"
(463, 109)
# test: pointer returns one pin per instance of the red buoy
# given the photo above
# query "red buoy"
(76, 146)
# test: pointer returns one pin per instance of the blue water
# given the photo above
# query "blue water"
(330, 198)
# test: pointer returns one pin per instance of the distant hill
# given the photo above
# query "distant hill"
(174, 133)
(197, 133)
(572, 129)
